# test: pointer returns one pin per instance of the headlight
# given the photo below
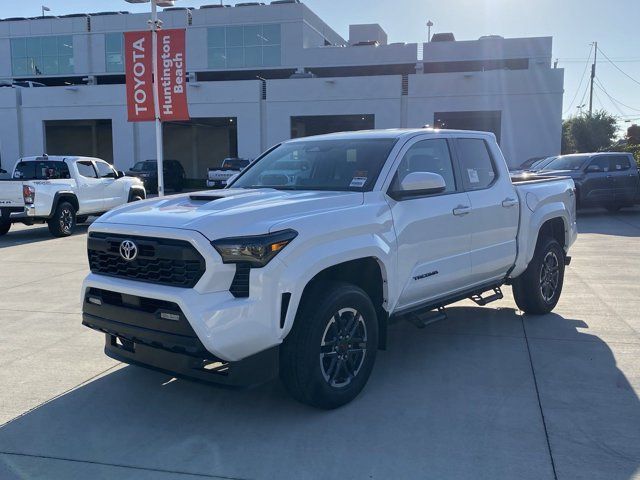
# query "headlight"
(256, 250)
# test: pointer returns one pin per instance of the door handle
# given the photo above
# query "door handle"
(461, 210)
(510, 202)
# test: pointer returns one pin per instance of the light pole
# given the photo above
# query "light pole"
(156, 25)
(429, 25)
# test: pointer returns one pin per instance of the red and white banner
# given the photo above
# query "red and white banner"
(138, 67)
(172, 92)
(171, 74)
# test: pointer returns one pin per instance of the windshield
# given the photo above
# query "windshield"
(144, 167)
(542, 163)
(341, 165)
(573, 162)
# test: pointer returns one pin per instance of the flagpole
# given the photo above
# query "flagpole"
(156, 96)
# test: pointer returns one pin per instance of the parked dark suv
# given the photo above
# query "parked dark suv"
(605, 179)
(147, 171)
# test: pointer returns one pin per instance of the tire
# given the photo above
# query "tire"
(320, 367)
(4, 228)
(135, 198)
(63, 221)
(82, 219)
(530, 293)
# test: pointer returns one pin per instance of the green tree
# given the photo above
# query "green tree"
(588, 133)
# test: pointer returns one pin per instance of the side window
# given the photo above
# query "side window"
(478, 171)
(86, 169)
(105, 170)
(602, 163)
(620, 163)
(427, 156)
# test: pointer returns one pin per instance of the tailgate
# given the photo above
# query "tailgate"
(11, 194)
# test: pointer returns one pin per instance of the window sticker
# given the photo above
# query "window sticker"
(358, 182)
(473, 175)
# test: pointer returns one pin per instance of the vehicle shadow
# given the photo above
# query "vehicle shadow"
(625, 222)
(452, 400)
(35, 234)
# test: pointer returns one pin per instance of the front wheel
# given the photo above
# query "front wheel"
(63, 221)
(4, 227)
(328, 356)
(537, 290)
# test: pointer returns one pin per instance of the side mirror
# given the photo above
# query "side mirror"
(419, 183)
(119, 174)
(593, 168)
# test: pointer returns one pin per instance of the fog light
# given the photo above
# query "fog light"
(170, 316)
(95, 300)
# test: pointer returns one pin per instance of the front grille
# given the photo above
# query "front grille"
(161, 261)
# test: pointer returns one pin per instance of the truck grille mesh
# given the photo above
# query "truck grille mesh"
(169, 262)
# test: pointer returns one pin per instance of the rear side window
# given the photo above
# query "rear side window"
(620, 162)
(41, 170)
(86, 169)
(478, 171)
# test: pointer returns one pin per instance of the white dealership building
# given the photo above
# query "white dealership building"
(259, 74)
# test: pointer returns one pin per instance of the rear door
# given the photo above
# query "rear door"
(433, 231)
(598, 187)
(625, 179)
(494, 208)
(90, 187)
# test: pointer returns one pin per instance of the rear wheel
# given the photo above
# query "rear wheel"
(537, 290)
(63, 221)
(4, 227)
(328, 356)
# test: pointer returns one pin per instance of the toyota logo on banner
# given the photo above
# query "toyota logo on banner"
(128, 250)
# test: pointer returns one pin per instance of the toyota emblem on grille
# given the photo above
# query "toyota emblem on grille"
(128, 250)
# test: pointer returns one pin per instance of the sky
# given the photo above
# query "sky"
(573, 24)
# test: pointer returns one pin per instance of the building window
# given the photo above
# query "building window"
(114, 51)
(244, 46)
(42, 55)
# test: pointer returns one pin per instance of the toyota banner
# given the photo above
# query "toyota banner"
(171, 76)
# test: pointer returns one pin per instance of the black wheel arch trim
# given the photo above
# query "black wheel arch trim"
(64, 195)
(133, 191)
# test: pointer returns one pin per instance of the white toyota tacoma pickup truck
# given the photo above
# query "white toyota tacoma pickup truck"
(63, 191)
(299, 274)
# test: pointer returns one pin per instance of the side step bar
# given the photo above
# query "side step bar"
(422, 320)
(482, 301)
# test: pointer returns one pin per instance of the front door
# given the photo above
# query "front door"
(433, 231)
(494, 209)
(598, 187)
(113, 190)
(90, 188)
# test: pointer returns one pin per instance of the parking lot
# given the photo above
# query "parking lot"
(486, 394)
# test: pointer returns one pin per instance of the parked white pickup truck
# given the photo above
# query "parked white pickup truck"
(63, 191)
(300, 273)
(218, 177)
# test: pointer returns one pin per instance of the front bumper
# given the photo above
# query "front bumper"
(216, 183)
(137, 333)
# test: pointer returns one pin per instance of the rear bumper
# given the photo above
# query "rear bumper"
(18, 214)
(180, 355)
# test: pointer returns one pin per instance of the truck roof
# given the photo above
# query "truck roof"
(54, 158)
(390, 133)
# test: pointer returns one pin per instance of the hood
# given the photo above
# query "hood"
(232, 212)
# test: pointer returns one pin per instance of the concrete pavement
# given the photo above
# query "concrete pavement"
(487, 394)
